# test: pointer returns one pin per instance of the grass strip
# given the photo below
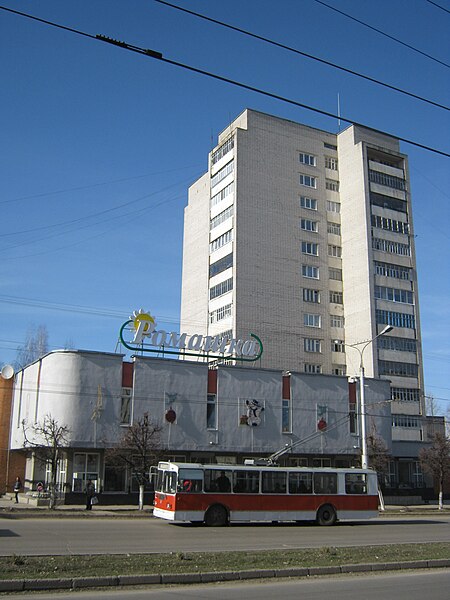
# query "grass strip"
(43, 567)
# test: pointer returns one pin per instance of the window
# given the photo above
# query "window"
(396, 319)
(221, 265)
(309, 203)
(221, 217)
(329, 146)
(390, 224)
(325, 483)
(224, 171)
(331, 163)
(308, 225)
(220, 313)
(115, 478)
(336, 321)
(308, 181)
(355, 483)
(387, 180)
(334, 207)
(85, 468)
(333, 228)
(222, 240)
(405, 421)
(311, 295)
(394, 295)
(336, 298)
(222, 150)
(246, 482)
(221, 288)
(286, 416)
(217, 481)
(337, 346)
(310, 271)
(311, 368)
(125, 406)
(190, 480)
(334, 251)
(388, 202)
(405, 394)
(310, 248)
(401, 369)
(312, 345)
(307, 159)
(211, 411)
(311, 320)
(332, 185)
(274, 482)
(300, 483)
(335, 274)
(390, 247)
(394, 271)
(340, 370)
(222, 194)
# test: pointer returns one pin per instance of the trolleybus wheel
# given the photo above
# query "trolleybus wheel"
(216, 516)
(326, 515)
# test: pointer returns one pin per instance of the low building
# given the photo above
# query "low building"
(224, 414)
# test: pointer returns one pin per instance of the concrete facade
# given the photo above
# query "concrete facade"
(306, 238)
(88, 392)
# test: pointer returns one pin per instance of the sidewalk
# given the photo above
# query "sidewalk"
(8, 507)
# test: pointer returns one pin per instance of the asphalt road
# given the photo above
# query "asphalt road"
(117, 536)
(408, 586)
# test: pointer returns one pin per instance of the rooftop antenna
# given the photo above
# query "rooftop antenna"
(339, 111)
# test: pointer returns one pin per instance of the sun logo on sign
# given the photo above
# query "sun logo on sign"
(143, 323)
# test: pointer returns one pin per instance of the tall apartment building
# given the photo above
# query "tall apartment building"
(305, 238)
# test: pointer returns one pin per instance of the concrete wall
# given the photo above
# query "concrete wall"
(75, 385)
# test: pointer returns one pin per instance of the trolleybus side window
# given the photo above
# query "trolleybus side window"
(273, 482)
(190, 480)
(246, 482)
(325, 483)
(300, 483)
(217, 481)
(355, 483)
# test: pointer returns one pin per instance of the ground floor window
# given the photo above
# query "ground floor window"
(115, 479)
(85, 468)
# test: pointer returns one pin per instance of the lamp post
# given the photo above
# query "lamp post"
(364, 344)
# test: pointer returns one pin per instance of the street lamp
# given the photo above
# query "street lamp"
(364, 461)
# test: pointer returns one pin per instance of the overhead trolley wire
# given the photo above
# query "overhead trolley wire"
(301, 53)
(391, 37)
(158, 55)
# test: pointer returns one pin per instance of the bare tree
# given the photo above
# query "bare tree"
(138, 450)
(48, 439)
(35, 346)
(378, 455)
(436, 461)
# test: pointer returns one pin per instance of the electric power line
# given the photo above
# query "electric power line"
(94, 215)
(93, 185)
(158, 55)
(391, 37)
(305, 54)
(438, 6)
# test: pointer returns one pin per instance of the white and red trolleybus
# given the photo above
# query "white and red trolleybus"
(220, 494)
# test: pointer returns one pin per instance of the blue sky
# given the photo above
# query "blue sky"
(100, 144)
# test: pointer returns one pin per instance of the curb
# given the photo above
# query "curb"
(20, 585)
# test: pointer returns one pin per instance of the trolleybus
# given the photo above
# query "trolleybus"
(220, 494)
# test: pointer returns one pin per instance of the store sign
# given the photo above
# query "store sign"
(143, 336)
